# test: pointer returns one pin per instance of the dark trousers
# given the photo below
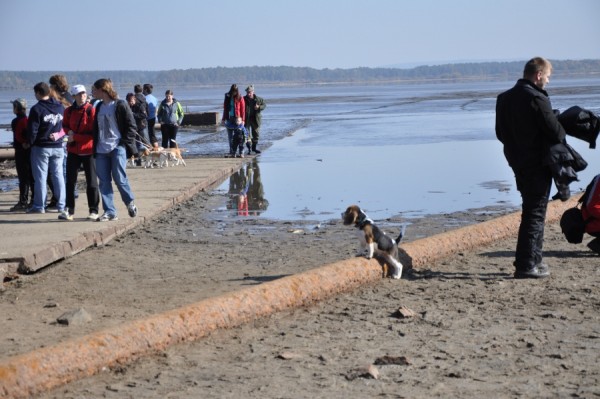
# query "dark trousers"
(74, 161)
(23, 165)
(237, 142)
(253, 129)
(534, 186)
(169, 132)
(151, 131)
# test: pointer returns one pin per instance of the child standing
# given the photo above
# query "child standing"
(22, 154)
(239, 138)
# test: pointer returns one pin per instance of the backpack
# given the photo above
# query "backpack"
(572, 222)
(573, 225)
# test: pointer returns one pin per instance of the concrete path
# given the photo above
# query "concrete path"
(32, 241)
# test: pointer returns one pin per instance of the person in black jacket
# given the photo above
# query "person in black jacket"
(114, 141)
(527, 126)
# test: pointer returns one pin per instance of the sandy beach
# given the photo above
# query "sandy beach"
(475, 330)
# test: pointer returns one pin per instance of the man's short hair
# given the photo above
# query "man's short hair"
(42, 89)
(535, 65)
(148, 88)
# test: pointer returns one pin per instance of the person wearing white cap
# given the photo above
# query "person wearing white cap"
(78, 122)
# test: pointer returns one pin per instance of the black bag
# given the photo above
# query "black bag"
(572, 225)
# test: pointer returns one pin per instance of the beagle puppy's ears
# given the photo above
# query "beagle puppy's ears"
(361, 216)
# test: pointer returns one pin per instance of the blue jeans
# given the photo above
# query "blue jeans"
(142, 140)
(112, 166)
(48, 162)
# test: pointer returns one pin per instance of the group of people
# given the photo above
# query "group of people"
(242, 116)
(99, 135)
(65, 131)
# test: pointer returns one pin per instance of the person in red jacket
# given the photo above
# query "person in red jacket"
(233, 106)
(591, 213)
(22, 154)
(78, 122)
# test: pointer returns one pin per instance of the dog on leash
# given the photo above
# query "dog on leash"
(174, 155)
(373, 241)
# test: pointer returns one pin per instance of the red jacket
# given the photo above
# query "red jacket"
(591, 208)
(19, 128)
(81, 121)
(239, 107)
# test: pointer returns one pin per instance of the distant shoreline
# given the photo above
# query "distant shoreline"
(286, 75)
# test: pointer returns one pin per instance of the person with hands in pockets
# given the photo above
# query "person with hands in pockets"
(78, 122)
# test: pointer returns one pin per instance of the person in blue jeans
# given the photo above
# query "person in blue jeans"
(114, 141)
(44, 133)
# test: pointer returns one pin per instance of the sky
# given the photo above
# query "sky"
(69, 35)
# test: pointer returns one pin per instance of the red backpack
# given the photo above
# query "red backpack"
(575, 222)
(590, 209)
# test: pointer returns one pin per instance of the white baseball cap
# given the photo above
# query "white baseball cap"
(75, 90)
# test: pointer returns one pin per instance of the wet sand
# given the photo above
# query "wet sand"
(476, 331)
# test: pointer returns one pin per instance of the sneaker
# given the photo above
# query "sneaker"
(93, 216)
(51, 207)
(241, 155)
(538, 271)
(35, 210)
(106, 217)
(19, 207)
(132, 209)
(64, 215)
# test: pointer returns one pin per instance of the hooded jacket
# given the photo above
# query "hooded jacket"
(526, 125)
(81, 121)
(45, 118)
(126, 124)
(170, 114)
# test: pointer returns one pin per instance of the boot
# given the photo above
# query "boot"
(249, 148)
(254, 148)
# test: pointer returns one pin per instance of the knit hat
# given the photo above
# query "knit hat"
(249, 88)
(75, 90)
(20, 102)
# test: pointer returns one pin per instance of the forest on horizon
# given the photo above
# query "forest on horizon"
(482, 71)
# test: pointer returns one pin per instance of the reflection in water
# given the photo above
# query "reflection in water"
(246, 193)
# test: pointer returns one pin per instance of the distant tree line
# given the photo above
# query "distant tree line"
(483, 71)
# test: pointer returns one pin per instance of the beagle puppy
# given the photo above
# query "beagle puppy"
(372, 238)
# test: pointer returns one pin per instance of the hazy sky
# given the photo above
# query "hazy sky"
(66, 35)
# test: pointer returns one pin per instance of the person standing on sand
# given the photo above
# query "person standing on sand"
(526, 125)
(254, 107)
(114, 140)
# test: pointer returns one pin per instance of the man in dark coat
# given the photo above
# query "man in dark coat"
(254, 106)
(527, 126)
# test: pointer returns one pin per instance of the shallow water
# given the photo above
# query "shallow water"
(399, 149)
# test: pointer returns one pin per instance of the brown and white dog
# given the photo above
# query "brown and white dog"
(373, 238)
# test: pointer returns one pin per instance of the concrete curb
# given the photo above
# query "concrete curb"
(47, 368)
(39, 258)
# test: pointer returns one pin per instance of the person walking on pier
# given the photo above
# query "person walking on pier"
(114, 141)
